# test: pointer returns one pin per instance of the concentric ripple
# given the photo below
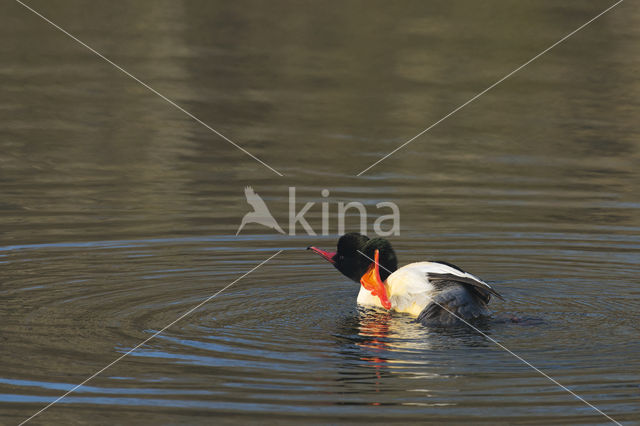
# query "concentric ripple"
(287, 340)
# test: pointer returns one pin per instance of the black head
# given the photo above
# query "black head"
(355, 254)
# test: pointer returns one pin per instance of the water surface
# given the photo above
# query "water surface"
(119, 213)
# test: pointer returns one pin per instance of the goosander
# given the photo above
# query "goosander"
(430, 291)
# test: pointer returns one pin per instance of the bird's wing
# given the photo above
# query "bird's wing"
(256, 201)
(474, 284)
(454, 299)
(435, 271)
(445, 270)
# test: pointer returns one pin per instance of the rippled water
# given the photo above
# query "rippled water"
(119, 212)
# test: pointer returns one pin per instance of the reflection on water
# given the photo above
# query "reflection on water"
(118, 213)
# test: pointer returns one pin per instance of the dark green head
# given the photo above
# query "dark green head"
(356, 253)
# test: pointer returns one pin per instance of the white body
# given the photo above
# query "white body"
(409, 289)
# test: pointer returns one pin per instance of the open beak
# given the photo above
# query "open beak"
(328, 255)
(372, 282)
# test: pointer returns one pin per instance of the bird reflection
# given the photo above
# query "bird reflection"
(373, 331)
(381, 349)
(386, 340)
(380, 339)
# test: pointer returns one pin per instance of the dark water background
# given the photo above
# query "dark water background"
(118, 212)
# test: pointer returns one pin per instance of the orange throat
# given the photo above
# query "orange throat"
(372, 282)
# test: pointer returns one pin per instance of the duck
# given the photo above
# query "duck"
(435, 292)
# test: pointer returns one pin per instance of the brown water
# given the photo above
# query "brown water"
(119, 212)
